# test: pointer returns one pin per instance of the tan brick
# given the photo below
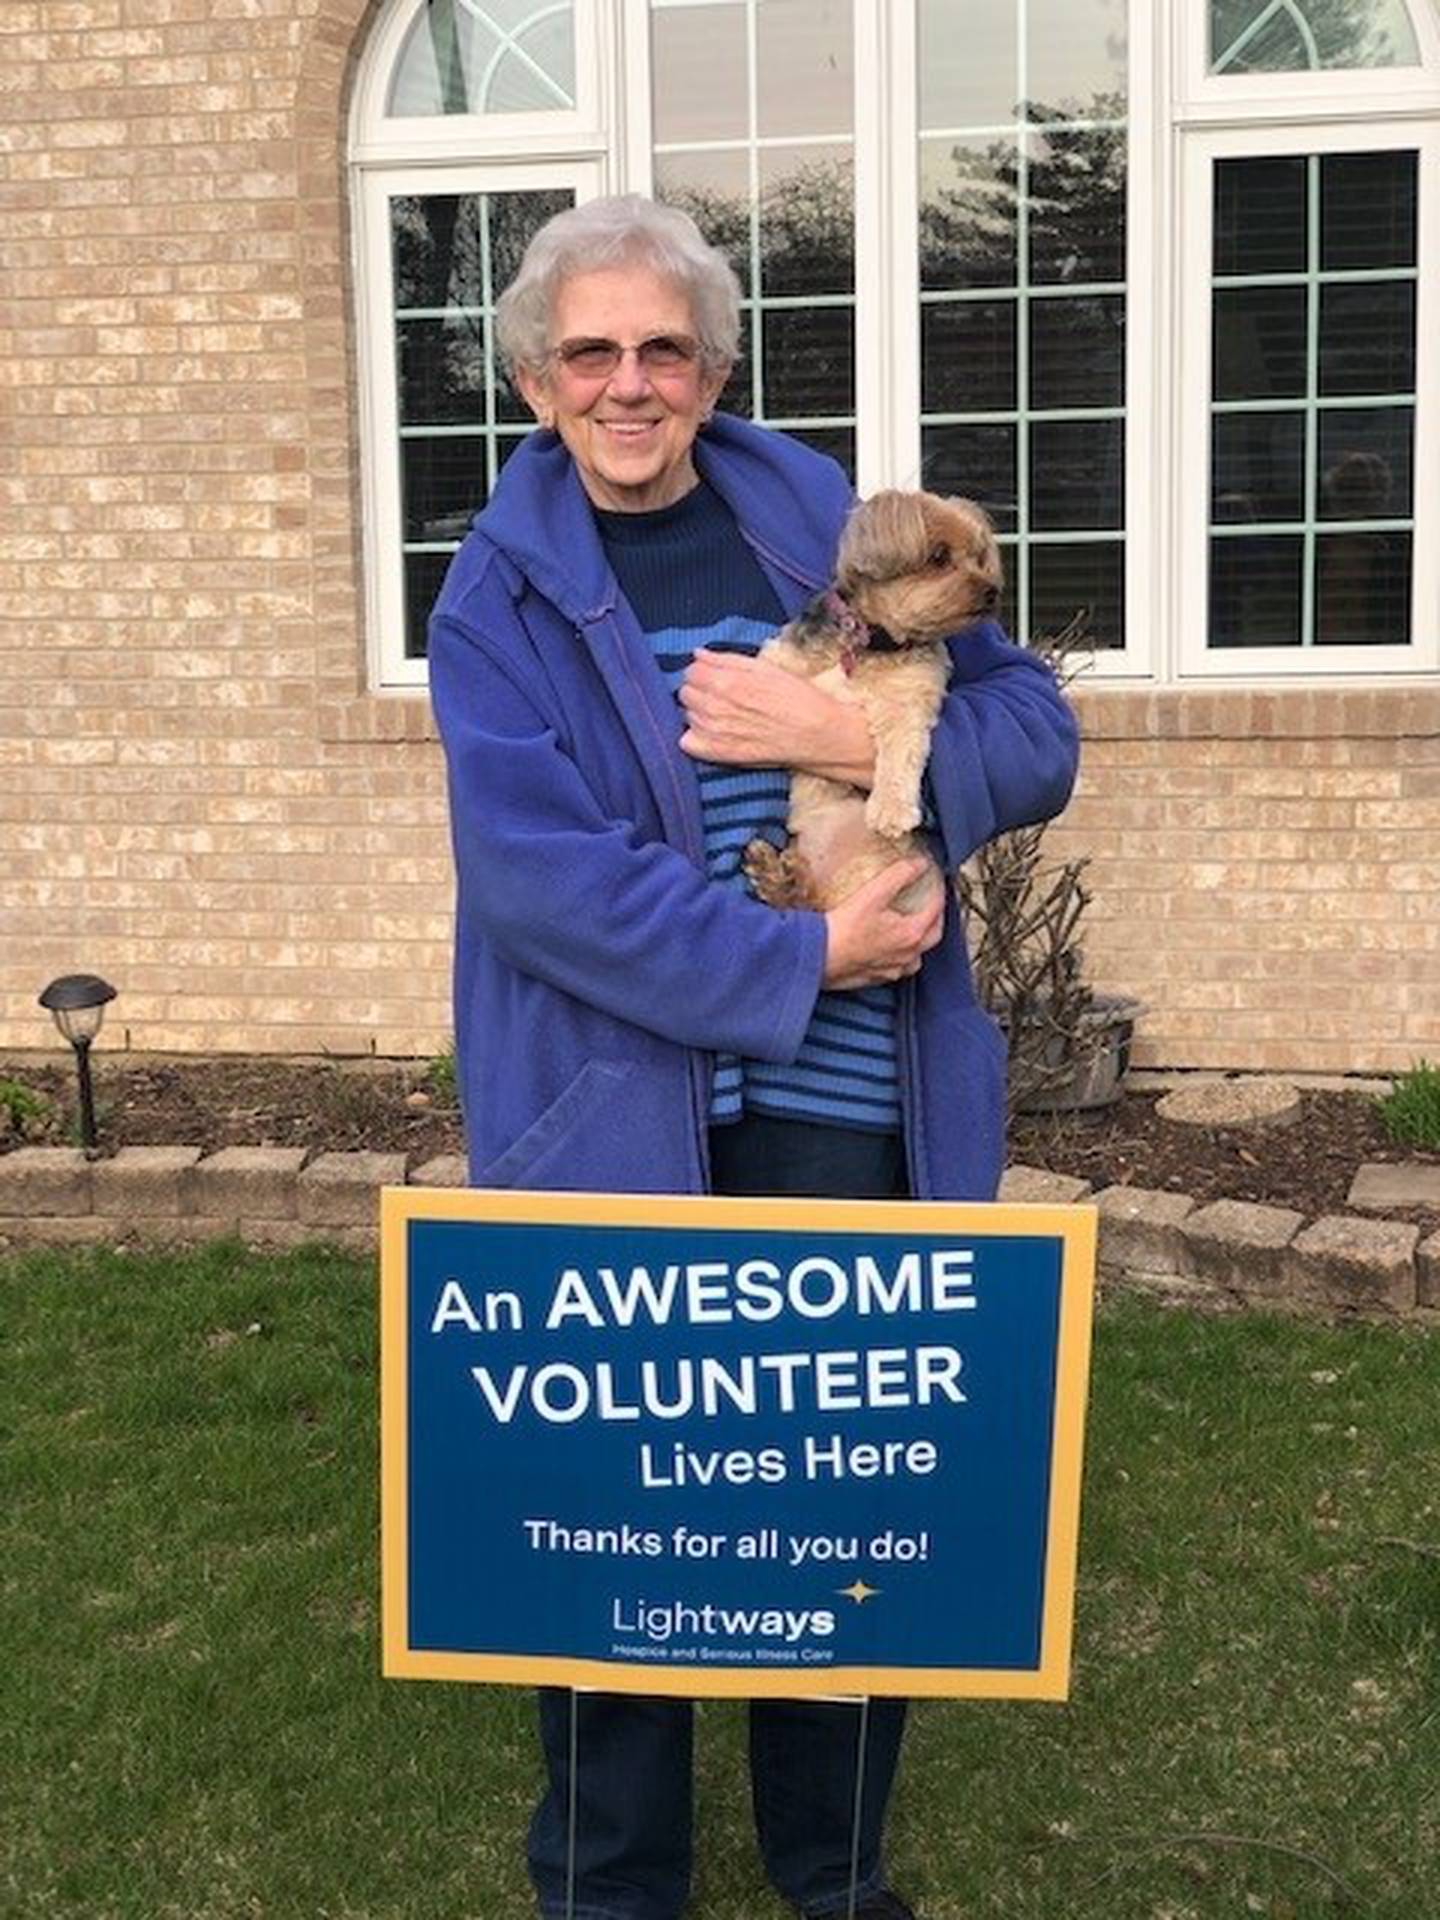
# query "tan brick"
(1034, 1186)
(248, 1183)
(19, 1232)
(45, 1182)
(1427, 1272)
(1355, 1263)
(343, 1189)
(1140, 1229)
(143, 1183)
(1240, 1246)
(445, 1170)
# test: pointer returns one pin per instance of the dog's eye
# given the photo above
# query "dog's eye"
(938, 557)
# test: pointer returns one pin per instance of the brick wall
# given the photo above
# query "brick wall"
(1266, 867)
(199, 799)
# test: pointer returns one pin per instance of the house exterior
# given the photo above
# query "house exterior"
(1159, 283)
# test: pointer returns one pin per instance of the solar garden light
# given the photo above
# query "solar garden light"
(77, 1000)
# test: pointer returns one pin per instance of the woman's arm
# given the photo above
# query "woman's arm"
(579, 899)
(1006, 747)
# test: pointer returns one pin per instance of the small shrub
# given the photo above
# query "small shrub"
(1411, 1109)
(440, 1078)
(24, 1112)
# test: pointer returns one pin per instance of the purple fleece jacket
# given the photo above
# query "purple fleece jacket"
(596, 969)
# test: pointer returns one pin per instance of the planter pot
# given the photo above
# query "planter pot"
(1074, 1076)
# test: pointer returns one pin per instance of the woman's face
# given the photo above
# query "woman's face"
(629, 430)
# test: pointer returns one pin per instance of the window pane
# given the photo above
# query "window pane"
(1077, 352)
(444, 485)
(424, 576)
(513, 220)
(1257, 468)
(1255, 591)
(512, 56)
(778, 202)
(1365, 463)
(1367, 216)
(977, 462)
(1261, 215)
(807, 220)
(805, 81)
(1362, 589)
(968, 218)
(1259, 346)
(738, 394)
(1367, 338)
(969, 64)
(809, 361)
(442, 371)
(1077, 474)
(1077, 206)
(1259, 36)
(714, 189)
(838, 442)
(436, 247)
(1087, 578)
(968, 356)
(1077, 53)
(699, 69)
(454, 252)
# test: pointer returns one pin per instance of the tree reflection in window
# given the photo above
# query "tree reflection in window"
(1290, 36)
(487, 57)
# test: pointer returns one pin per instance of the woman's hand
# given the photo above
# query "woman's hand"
(869, 941)
(747, 712)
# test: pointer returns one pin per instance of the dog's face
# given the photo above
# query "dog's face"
(919, 566)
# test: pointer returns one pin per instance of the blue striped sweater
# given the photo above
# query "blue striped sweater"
(692, 582)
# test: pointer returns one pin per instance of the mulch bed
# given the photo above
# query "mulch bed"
(1307, 1164)
(320, 1105)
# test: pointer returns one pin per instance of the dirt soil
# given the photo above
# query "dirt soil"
(409, 1108)
(1307, 1164)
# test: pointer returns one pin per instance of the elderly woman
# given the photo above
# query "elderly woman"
(627, 1016)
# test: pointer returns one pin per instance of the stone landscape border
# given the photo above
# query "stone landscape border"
(1228, 1250)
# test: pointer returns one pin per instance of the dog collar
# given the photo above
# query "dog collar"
(860, 636)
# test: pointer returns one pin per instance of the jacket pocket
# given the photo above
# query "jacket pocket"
(535, 1158)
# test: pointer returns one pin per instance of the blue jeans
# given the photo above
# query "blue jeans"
(633, 1755)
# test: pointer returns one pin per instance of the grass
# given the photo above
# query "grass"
(1411, 1109)
(192, 1726)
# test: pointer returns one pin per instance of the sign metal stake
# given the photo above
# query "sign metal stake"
(862, 1742)
(571, 1821)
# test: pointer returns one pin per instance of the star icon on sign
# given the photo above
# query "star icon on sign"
(859, 1592)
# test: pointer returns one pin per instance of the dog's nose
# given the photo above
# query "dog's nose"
(990, 599)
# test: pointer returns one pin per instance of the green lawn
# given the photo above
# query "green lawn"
(192, 1726)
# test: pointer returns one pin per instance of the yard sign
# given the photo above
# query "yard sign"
(691, 1445)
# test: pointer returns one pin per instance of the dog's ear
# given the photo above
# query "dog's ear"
(886, 537)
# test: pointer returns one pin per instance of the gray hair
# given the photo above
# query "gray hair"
(622, 229)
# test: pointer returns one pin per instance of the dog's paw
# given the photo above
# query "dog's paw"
(765, 869)
(891, 815)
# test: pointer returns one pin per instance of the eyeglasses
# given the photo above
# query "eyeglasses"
(661, 354)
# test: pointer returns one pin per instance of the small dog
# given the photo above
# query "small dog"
(912, 569)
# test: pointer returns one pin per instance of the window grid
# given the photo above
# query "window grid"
(488, 432)
(1024, 130)
(756, 304)
(1312, 404)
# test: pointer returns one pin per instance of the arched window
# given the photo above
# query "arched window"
(1177, 339)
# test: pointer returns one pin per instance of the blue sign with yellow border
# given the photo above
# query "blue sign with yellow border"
(732, 1446)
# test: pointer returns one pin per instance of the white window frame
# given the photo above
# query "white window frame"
(1189, 612)
(382, 477)
(376, 136)
(1361, 92)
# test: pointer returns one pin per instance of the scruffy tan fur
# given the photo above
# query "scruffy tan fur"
(919, 567)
